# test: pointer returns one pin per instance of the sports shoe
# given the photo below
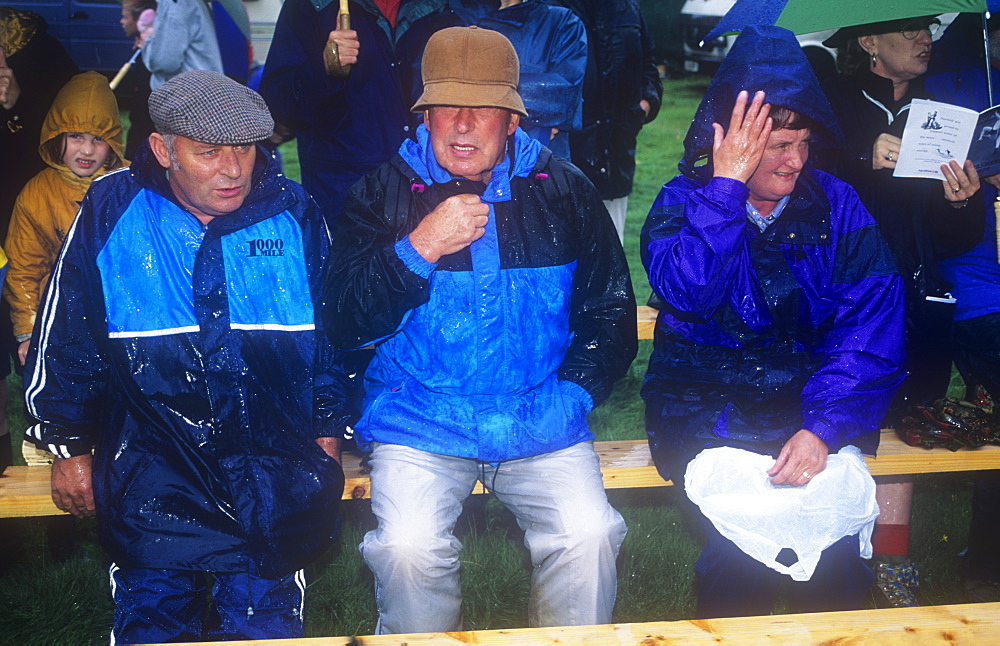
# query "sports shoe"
(895, 585)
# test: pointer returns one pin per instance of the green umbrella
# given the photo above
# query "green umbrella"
(807, 16)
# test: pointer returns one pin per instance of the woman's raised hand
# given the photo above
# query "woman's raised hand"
(737, 151)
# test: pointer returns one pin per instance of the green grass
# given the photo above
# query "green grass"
(68, 603)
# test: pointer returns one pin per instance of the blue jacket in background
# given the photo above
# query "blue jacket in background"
(975, 274)
(500, 350)
(188, 357)
(551, 45)
(346, 128)
(763, 334)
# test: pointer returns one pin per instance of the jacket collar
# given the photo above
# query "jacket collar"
(266, 196)
(521, 158)
(805, 219)
(879, 90)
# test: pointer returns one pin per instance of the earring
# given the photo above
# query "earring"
(874, 58)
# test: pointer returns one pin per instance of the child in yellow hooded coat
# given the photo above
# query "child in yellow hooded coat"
(81, 140)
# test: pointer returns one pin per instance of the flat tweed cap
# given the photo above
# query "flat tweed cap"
(211, 108)
(470, 67)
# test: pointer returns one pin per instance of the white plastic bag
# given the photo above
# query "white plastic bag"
(732, 489)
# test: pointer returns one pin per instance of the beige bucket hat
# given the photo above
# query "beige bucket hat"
(470, 67)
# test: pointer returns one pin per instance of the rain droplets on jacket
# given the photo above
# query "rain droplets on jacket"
(763, 334)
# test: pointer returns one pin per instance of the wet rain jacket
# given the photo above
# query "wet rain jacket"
(764, 334)
(551, 46)
(47, 205)
(346, 128)
(500, 350)
(188, 357)
(621, 71)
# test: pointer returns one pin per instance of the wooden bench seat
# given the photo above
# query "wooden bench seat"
(974, 623)
(24, 491)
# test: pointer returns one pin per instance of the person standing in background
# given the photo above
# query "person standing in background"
(136, 22)
(346, 93)
(183, 39)
(621, 93)
(551, 45)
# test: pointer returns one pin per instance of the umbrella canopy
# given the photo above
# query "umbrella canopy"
(807, 16)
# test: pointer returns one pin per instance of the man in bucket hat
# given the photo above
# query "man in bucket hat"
(178, 342)
(491, 280)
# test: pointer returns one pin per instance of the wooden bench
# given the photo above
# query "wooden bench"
(974, 623)
(24, 491)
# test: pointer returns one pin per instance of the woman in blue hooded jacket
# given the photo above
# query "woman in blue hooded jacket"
(781, 328)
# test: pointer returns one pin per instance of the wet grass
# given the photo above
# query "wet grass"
(47, 602)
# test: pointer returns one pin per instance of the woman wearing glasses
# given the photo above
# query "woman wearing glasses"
(882, 68)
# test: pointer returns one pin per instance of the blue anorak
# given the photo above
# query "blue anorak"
(188, 357)
(762, 334)
(500, 350)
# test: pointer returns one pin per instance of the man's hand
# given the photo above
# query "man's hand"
(341, 52)
(645, 107)
(801, 458)
(737, 152)
(885, 152)
(10, 91)
(72, 485)
(452, 226)
(22, 351)
(331, 446)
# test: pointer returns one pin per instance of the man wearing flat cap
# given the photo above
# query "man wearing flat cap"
(178, 342)
(490, 279)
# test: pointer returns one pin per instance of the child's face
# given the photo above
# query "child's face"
(84, 154)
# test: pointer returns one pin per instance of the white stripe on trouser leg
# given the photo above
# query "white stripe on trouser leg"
(300, 581)
(114, 588)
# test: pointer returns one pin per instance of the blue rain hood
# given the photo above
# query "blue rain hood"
(766, 58)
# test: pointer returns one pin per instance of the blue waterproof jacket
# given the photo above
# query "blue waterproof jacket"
(188, 357)
(763, 334)
(500, 350)
(551, 45)
(346, 128)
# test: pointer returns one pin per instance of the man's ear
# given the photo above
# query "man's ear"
(515, 119)
(159, 148)
(427, 119)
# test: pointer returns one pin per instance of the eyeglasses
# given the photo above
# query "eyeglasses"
(912, 30)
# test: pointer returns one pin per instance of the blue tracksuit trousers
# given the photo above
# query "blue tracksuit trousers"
(154, 606)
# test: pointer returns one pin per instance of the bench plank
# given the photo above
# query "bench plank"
(645, 321)
(975, 623)
(626, 464)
